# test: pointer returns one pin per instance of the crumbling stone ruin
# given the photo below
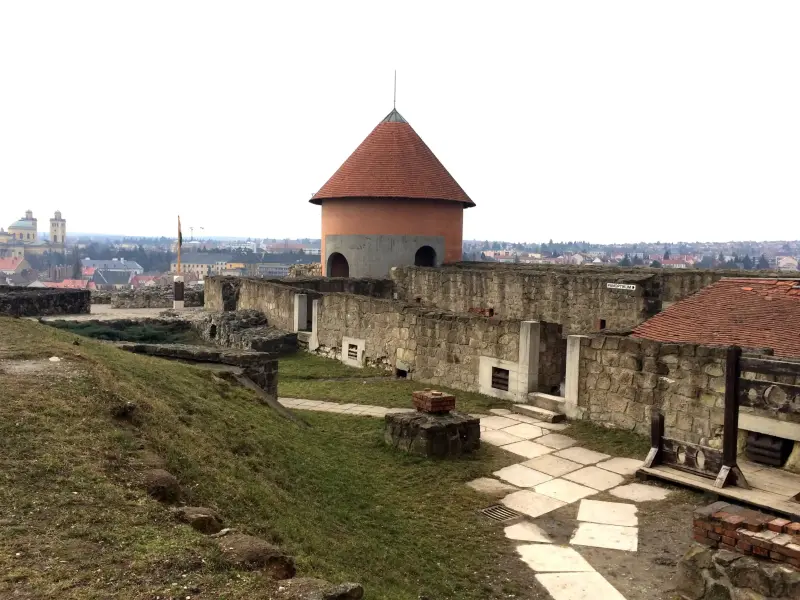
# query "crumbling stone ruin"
(146, 297)
(740, 553)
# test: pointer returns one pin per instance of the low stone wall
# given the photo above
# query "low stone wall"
(436, 347)
(245, 329)
(620, 379)
(366, 286)
(147, 297)
(259, 367)
(39, 302)
(740, 553)
(275, 300)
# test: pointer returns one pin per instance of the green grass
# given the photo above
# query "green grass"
(152, 332)
(304, 375)
(75, 524)
(616, 442)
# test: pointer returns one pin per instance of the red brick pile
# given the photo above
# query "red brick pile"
(431, 401)
(731, 527)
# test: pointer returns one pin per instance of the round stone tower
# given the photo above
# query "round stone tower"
(392, 203)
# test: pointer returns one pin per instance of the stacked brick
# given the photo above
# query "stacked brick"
(737, 529)
(431, 401)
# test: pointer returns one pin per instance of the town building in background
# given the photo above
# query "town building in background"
(22, 237)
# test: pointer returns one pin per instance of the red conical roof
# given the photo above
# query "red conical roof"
(393, 162)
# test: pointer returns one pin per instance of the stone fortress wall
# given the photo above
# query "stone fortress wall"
(535, 327)
(39, 302)
(579, 298)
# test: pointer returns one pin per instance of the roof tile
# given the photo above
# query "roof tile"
(728, 313)
(393, 162)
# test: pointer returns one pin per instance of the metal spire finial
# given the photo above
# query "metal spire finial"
(394, 104)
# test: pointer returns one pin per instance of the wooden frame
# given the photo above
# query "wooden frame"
(701, 460)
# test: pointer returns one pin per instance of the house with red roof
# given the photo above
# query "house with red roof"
(751, 313)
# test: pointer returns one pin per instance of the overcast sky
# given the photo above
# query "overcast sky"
(597, 120)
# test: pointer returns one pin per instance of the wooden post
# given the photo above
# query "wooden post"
(730, 474)
(654, 457)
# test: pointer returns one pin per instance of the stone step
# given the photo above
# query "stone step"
(546, 401)
(535, 412)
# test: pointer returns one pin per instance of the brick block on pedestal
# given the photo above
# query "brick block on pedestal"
(433, 402)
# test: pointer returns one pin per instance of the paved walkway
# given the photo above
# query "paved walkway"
(553, 472)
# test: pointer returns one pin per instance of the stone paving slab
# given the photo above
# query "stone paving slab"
(608, 513)
(531, 504)
(614, 537)
(527, 532)
(578, 586)
(496, 437)
(553, 426)
(526, 419)
(552, 465)
(491, 487)
(621, 466)
(528, 449)
(500, 411)
(550, 558)
(521, 476)
(638, 492)
(598, 479)
(524, 431)
(563, 490)
(498, 422)
(582, 455)
(557, 441)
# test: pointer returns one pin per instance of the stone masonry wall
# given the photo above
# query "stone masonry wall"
(377, 288)
(575, 296)
(34, 302)
(552, 358)
(621, 379)
(146, 297)
(439, 348)
(577, 300)
(275, 300)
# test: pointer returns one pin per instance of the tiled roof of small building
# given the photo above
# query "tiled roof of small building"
(393, 162)
(752, 313)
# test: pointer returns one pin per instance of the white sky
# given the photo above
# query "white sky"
(599, 120)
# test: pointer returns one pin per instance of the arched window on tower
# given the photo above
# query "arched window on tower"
(425, 257)
(338, 266)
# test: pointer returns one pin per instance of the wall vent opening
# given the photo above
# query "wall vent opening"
(401, 373)
(500, 379)
(352, 352)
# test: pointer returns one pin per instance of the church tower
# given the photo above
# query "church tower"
(58, 231)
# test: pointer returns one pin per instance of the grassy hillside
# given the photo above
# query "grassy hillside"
(76, 525)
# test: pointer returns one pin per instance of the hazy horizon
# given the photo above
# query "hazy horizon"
(599, 121)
